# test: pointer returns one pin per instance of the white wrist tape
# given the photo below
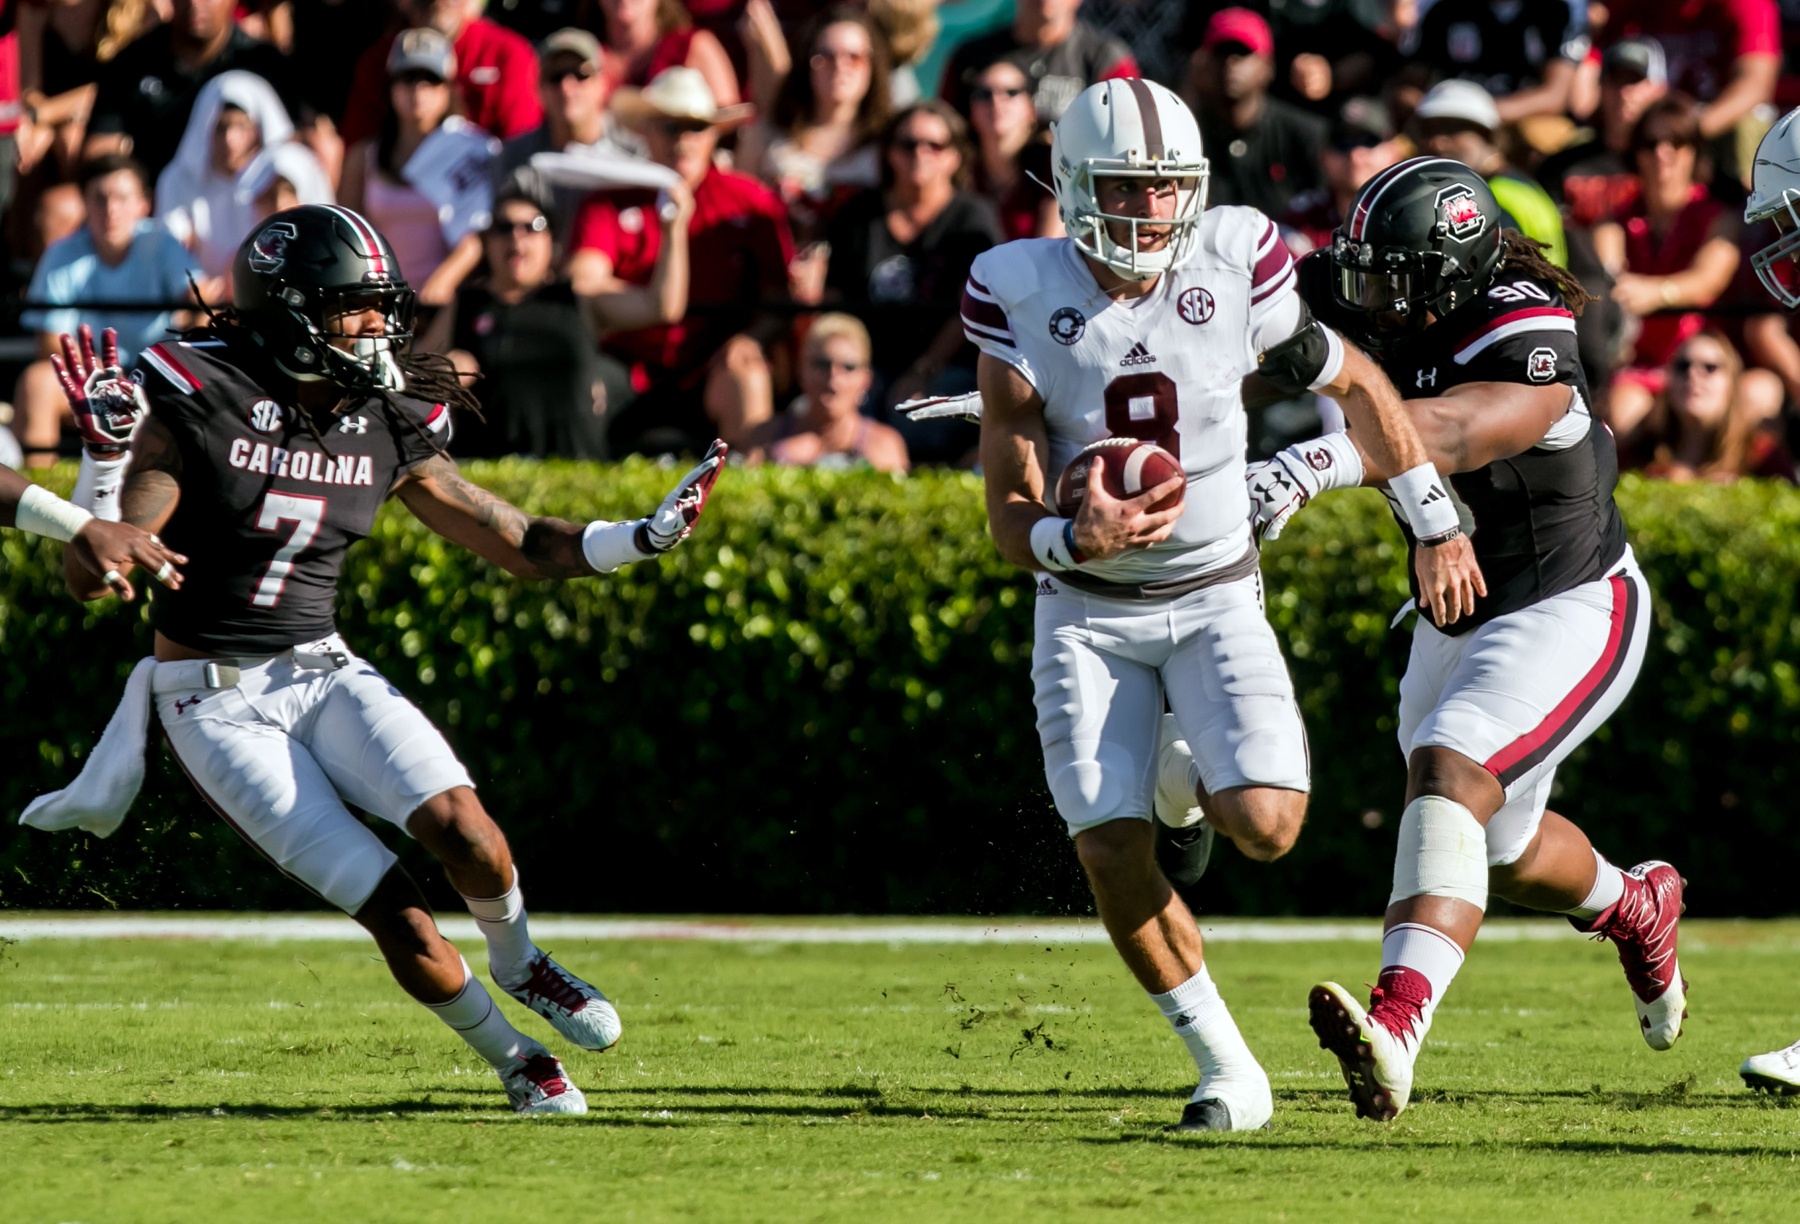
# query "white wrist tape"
(1324, 463)
(97, 488)
(1430, 510)
(42, 512)
(1442, 853)
(1050, 544)
(607, 546)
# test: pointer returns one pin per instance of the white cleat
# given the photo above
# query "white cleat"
(576, 1010)
(537, 1085)
(1377, 1062)
(1777, 1072)
(1184, 840)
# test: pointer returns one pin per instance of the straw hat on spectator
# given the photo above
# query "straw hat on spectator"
(679, 93)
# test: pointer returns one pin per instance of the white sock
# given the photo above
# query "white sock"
(502, 923)
(1200, 1018)
(1608, 890)
(1425, 950)
(475, 1018)
(97, 487)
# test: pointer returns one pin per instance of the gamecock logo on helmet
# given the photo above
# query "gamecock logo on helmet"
(1459, 213)
(269, 249)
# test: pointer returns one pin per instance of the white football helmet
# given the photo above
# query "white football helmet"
(1775, 196)
(1128, 128)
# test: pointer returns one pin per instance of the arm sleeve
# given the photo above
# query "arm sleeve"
(986, 325)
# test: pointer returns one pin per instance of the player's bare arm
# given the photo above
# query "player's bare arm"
(445, 500)
(1015, 449)
(1475, 424)
(532, 546)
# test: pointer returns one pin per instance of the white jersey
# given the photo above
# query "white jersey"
(1165, 367)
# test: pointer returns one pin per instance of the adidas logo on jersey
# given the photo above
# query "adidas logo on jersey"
(1139, 355)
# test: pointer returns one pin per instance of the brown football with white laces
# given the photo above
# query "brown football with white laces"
(1128, 466)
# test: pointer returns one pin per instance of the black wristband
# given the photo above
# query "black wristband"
(1445, 538)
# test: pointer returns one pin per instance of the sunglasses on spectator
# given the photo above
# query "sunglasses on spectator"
(986, 93)
(681, 127)
(850, 59)
(586, 72)
(1682, 365)
(825, 365)
(536, 225)
(912, 144)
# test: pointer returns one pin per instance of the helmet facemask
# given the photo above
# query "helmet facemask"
(1089, 225)
(1396, 291)
(1775, 264)
(370, 362)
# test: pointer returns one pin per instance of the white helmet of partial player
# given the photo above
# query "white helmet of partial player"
(1137, 129)
(1775, 196)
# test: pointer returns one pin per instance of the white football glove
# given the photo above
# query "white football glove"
(681, 509)
(936, 407)
(1280, 486)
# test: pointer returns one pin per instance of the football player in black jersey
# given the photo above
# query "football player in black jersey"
(271, 439)
(1477, 329)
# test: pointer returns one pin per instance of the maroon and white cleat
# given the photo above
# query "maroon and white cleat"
(573, 1008)
(1376, 1048)
(1644, 925)
(536, 1084)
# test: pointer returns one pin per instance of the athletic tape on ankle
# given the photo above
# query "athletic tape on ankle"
(1442, 853)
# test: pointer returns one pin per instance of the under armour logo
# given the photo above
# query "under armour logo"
(354, 425)
(1426, 378)
(184, 704)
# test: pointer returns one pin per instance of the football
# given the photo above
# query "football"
(1128, 467)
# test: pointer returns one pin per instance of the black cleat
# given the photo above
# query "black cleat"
(1184, 853)
(1209, 1115)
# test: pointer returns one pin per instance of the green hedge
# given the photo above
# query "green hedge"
(822, 703)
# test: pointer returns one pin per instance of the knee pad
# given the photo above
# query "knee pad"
(1442, 853)
(1089, 790)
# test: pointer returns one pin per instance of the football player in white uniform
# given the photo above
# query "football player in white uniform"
(1775, 198)
(1143, 323)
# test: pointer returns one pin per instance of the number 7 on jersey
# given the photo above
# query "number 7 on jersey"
(306, 514)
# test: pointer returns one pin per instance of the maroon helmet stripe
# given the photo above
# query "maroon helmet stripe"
(367, 235)
(1153, 137)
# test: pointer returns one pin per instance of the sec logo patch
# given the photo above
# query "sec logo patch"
(265, 416)
(1540, 365)
(1067, 325)
(1195, 305)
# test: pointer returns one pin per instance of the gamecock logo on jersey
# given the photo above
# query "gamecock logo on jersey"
(269, 252)
(1195, 305)
(265, 416)
(1459, 213)
(1540, 365)
(1067, 325)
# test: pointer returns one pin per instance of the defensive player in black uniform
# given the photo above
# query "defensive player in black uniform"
(1478, 331)
(271, 440)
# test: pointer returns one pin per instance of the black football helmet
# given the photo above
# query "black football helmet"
(1423, 237)
(301, 267)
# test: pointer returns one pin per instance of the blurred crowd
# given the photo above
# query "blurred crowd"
(635, 224)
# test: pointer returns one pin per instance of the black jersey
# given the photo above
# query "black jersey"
(266, 511)
(1544, 520)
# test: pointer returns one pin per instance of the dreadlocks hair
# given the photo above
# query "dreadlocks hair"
(1525, 255)
(429, 376)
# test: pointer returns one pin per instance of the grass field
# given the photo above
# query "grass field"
(164, 1080)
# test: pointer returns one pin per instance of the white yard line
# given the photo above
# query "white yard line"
(280, 928)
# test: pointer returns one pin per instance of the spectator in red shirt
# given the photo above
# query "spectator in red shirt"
(697, 364)
(644, 37)
(1726, 53)
(1061, 55)
(1672, 254)
(496, 72)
